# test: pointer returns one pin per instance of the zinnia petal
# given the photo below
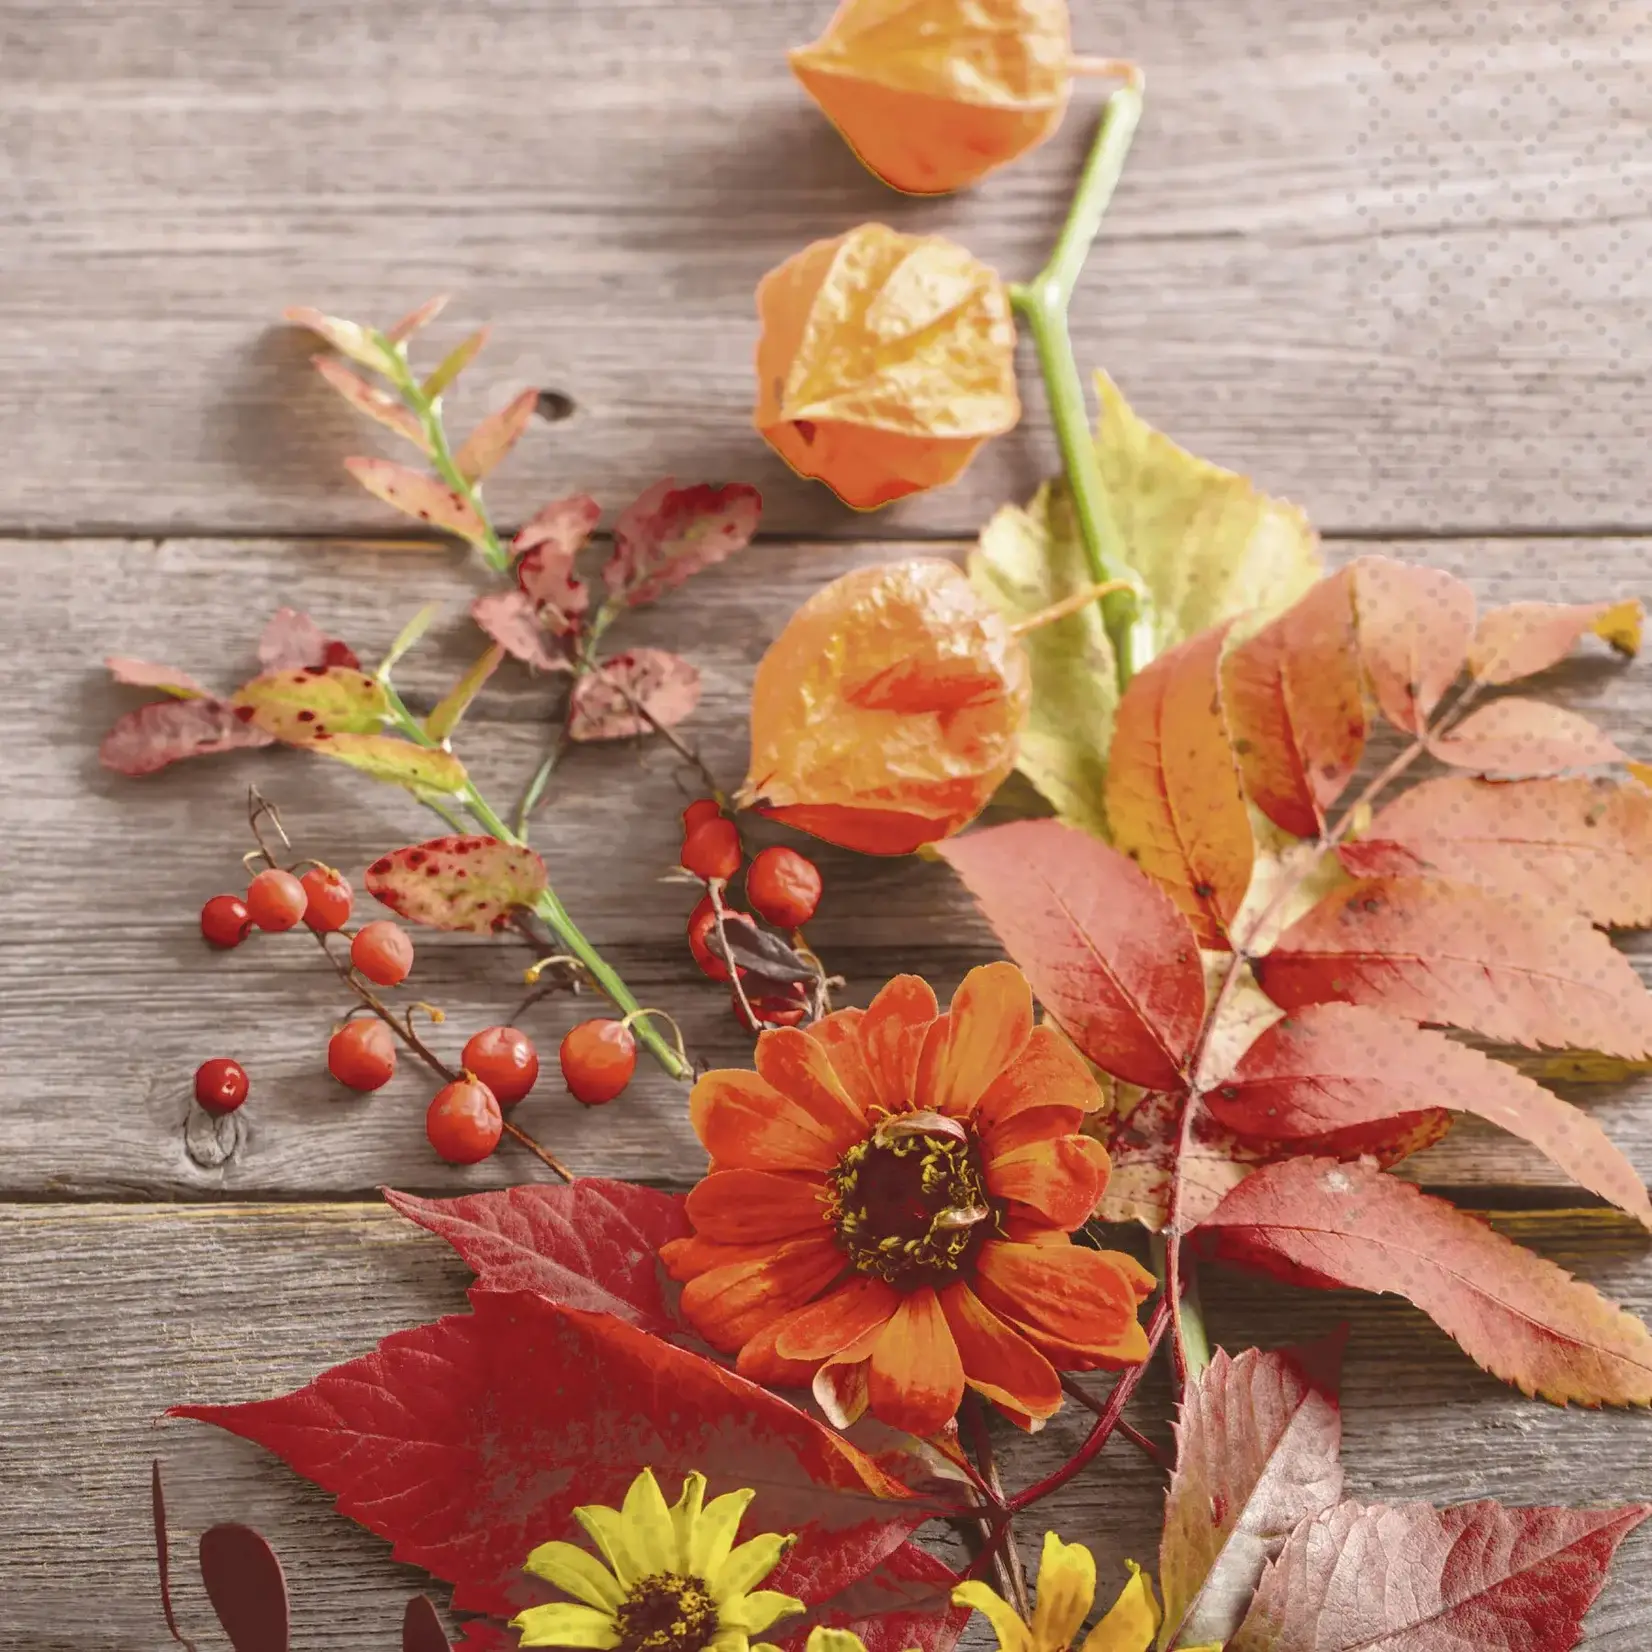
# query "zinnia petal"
(759, 1362)
(691, 1255)
(1132, 1620)
(822, 1639)
(1066, 1592)
(917, 1379)
(1076, 1305)
(1029, 1125)
(729, 1306)
(563, 1625)
(747, 1565)
(576, 1572)
(742, 1206)
(839, 1032)
(685, 1515)
(1061, 1179)
(987, 1023)
(891, 1035)
(713, 1536)
(1048, 1072)
(800, 1068)
(746, 1123)
(653, 1537)
(1013, 1635)
(612, 1535)
(842, 1389)
(998, 1361)
(828, 1326)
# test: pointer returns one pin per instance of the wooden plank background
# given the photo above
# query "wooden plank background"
(1386, 255)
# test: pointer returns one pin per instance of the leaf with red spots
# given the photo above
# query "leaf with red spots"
(561, 527)
(1525, 637)
(511, 618)
(167, 731)
(144, 674)
(377, 404)
(671, 533)
(423, 497)
(630, 693)
(306, 705)
(247, 1588)
(1415, 626)
(293, 641)
(1411, 1578)
(470, 1441)
(1519, 739)
(495, 436)
(423, 770)
(472, 883)
(1334, 1226)
(546, 551)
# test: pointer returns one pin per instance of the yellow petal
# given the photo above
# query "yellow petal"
(1013, 1634)
(1132, 1621)
(713, 1534)
(685, 1514)
(1066, 1592)
(834, 1640)
(565, 1625)
(749, 1564)
(578, 1573)
(732, 1640)
(754, 1612)
(652, 1536)
(612, 1535)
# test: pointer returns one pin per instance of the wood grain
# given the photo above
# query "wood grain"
(1383, 255)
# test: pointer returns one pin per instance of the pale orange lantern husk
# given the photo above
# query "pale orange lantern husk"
(888, 711)
(885, 361)
(934, 94)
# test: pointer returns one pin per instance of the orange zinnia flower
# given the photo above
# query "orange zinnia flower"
(888, 1208)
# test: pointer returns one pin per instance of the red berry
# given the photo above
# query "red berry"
(224, 920)
(784, 887)
(330, 899)
(702, 923)
(785, 1007)
(383, 952)
(505, 1060)
(699, 812)
(220, 1085)
(464, 1123)
(276, 900)
(712, 850)
(362, 1054)
(598, 1059)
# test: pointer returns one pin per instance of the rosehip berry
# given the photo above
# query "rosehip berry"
(276, 900)
(330, 899)
(505, 1060)
(464, 1123)
(383, 952)
(225, 920)
(598, 1059)
(784, 887)
(712, 850)
(702, 925)
(220, 1085)
(362, 1054)
(785, 1007)
(699, 812)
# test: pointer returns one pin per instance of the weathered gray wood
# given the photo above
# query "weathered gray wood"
(109, 998)
(117, 1312)
(1386, 256)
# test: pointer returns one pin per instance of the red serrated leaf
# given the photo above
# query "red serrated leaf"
(519, 1412)
(167, 731)
(671, 533)
(1331, 1226)
(1104, 947)
(631, 692)
(593, 1244)
(1174, 801)
(145, 674)
(512, 620)
(1456, 956)
(314, 703)
(1414, 627)
(1525, 637)
(1517, 739)
(420, 496)
(1585, 844)
(375, 403)
(1258, 1451)
(293, 641)
(495, 436)
(458, 882)
(421, 1628)
(1296, 707)
(904, 1603)
(1411, 1578)
(247, 1588)
(1334, 1065)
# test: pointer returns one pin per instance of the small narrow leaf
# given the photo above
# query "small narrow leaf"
(472, 883)
(1173, 795)
(143, 674)
(407, 638)
(671, 533)
(629, 693)
(446, 714)
(307, 705)
(1415, 625)
(454, 363)
(421, 1628)
(416, 319)
(247, 1588)
(420, 496)
(385, 757)
(347, 337)
(1335, 1226)
(494, 437)
(375, 403)
(1525, 637)
(292, 640)
(512, 620)
(1519, 739)
(166, 731)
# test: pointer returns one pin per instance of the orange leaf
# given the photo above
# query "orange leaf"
(1586, 844)
(372, 401)
(1524, 637)
(419, 495)
(934, 95)
(1333, 1065)
(1414, 630)
(1173, 796)
(1456, 956)
(885, 361)
(1296, 707)
(1318, 1223)
(495, 436)
(1515, 738)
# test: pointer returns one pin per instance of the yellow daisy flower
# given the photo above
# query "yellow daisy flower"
(674, 1582)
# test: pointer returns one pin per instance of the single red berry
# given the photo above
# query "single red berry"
(225, 920)
(598, 1059)
(464, 1123)
(276, 900)
(783, 887)
(220, 1085)
(702, 925)
(505, 1060)
(330, 899)
(784, 1007)
(699, 812)
(383, 952)
(362, 1054)
(712, 850)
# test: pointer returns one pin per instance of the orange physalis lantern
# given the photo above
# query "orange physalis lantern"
(885, 361)
(934, 94)
(889, 709)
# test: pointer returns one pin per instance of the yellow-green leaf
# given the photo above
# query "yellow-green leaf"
(444, 718)
(454, 363)
(387, 757)
(349, 338)
(313, 703)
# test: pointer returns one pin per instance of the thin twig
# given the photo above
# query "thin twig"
(685, 751)
(1134, 1435)
(1012, 1575)
(714, 889)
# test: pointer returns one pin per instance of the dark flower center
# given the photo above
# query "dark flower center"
(910, 1203)
(666, 1613)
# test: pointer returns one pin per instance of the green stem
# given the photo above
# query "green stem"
(1044, 303)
